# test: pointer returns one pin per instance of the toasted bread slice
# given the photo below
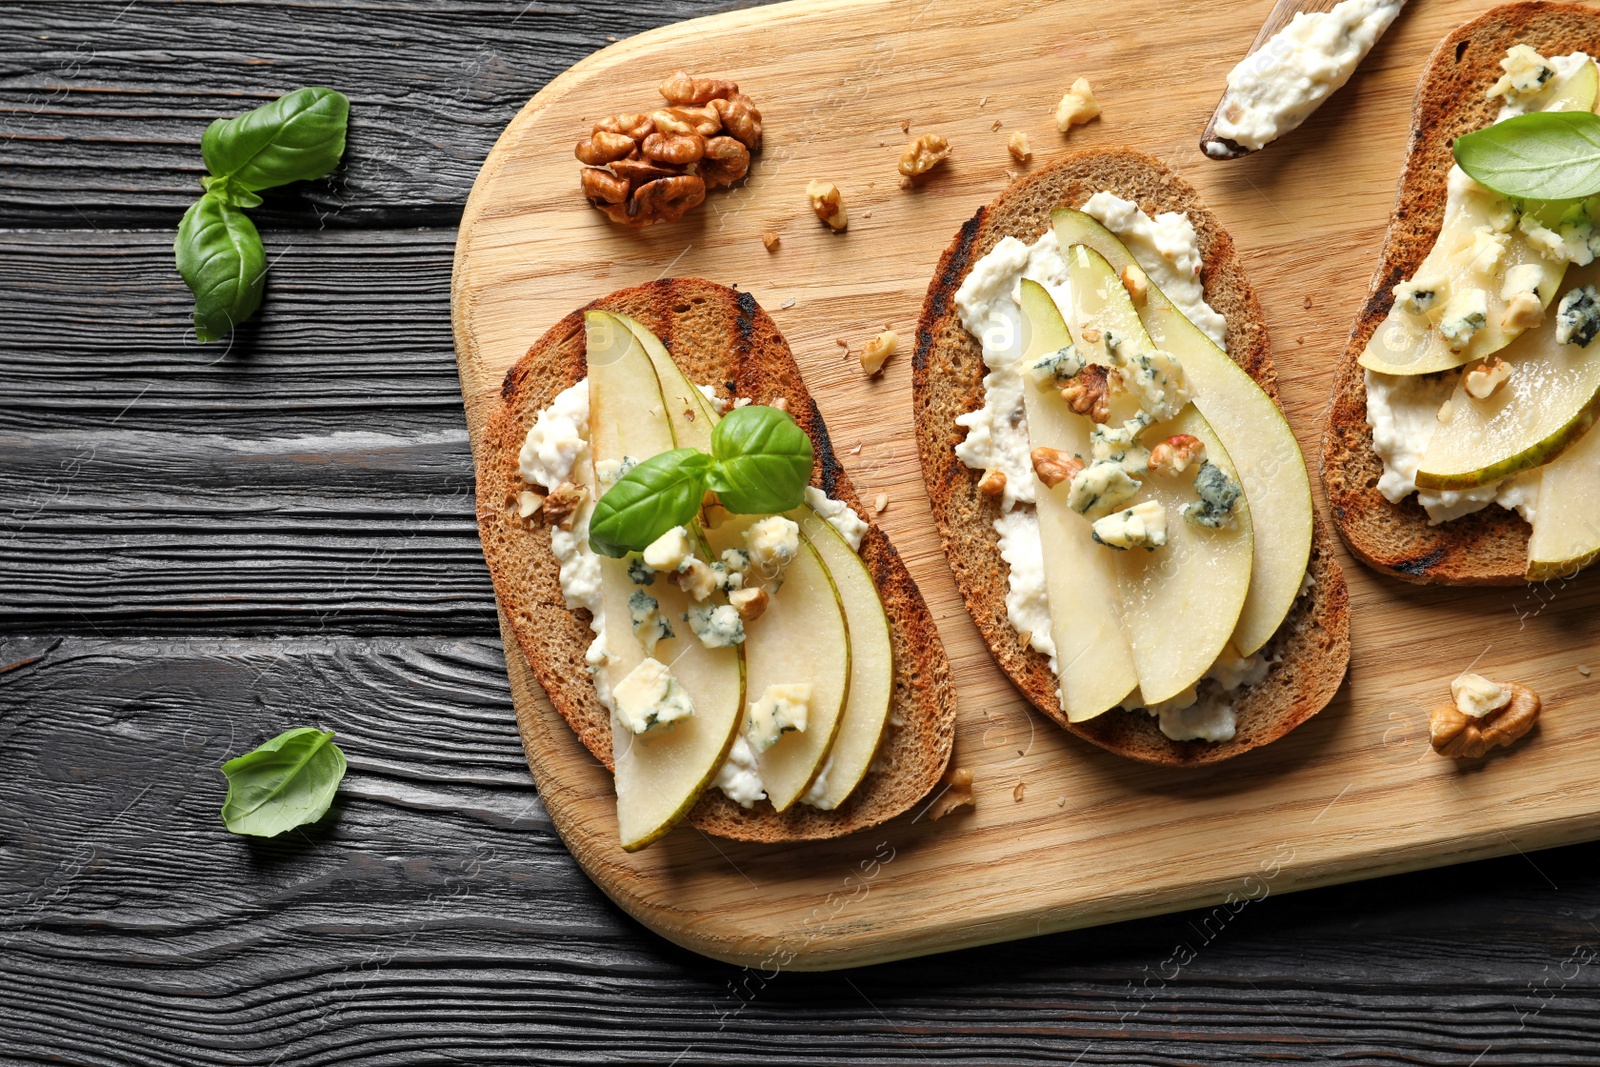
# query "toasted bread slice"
(719, 337)
(947, 378)
(1488, 547)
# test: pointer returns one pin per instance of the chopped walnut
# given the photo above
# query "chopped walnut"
(1524, 311)
(1481, 381)
(1464, 737)
(956, 794)
(828, 204)
(1137, 283)
(750, 603)
(642, 168)
(1176, 454)
(779, 402)
(880, 503)
(1091, 336)
(923, 154)
(1054, 466)
(771, 240)
(1077, 106)
(562, 503)
(528, 503)
(878, 350)
(993, 483)
(1019, 146)
(1088, 392)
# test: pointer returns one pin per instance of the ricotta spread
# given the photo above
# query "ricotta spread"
(840, 516)
(559, 434)
(1168, 250)
(739, 777)
(1276, 87)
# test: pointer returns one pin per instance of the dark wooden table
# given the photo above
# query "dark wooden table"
(202, 546)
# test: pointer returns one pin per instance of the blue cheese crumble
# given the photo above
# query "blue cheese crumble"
(1578, 317)
(1142, 526)
(649, 627)
(649, 697)
(779, 710)
(1101, 488)
(670, 551)
(1219, 496)
(716, 625)
(1462, 317)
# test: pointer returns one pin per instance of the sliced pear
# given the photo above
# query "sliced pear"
(662, 772)
(1093, 656)
(866, 709)
(801, 637)
(866, 712)
(1407, 343)
(1547, 404)
(1182, 603)
(1566, 521)
(1252, 429)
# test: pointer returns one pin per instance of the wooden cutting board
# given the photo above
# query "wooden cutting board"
(1063, 835)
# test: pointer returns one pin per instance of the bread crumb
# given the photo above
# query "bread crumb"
(880, 504)
(1061, 802)
(1011, 174)
(779, 402)
(1016, 794)
(1306, 303)
(786, 305)
(995, 125)
(905, 125)
(771, 240)
(982, 102)
(1583, 669)
(856, 451)
(842, 343)
(1300, 339)
(956, 794)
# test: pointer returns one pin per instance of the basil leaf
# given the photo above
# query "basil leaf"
(231, 191)
(298, 136)
(287, 782)
(654, 496)
(763, 461)
(219, 254)
(1545, 155)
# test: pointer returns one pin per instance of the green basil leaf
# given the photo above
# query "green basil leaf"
(298, 136)
(654, 496)
(289, 781)
(231, 191)
(763, 461)
(1545, 155)
(219, 254)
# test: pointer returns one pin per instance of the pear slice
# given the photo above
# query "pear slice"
(1566, 521)
(1251, 428)
(1181, 603)
(802, 636)
(866, 711)
(1093, 658)
(662, 772)
(1407, 343)
(1549, 402)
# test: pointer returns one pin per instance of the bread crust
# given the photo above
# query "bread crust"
(719, 337)
(1488, 547)
(947, 381)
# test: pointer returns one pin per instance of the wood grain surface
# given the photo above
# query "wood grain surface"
(1324, 804)
(437, 917)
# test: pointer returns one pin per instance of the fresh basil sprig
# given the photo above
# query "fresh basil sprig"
(1544, 155)
(289, 781)
(219, 253)
(760, 463)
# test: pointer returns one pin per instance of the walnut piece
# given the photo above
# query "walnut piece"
(1524, 311)
(1088, 392)
(878, 350)
(993, 483)
(1077, 106)
(642, 168)
(955, 794)
(562, 503)
(749, 603)
(1176, 454)
(1481, 381)
(528, 503)
(1019, 146)
(771, 240)
(923, 154)
(1137, 282)
(827, 202)
(1054, 466)
(1464, 737)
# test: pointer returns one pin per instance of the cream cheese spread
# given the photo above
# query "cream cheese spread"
(840, 516)
(1168, 250)
(1276, 87)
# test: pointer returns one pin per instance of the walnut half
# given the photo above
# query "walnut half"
(1464, 737)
